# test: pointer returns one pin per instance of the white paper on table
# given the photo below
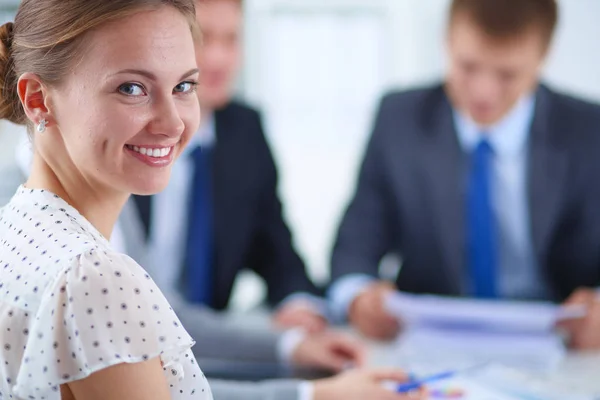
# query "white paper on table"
(468, 314)
(529, 385)
(456, 349)
(458, 332)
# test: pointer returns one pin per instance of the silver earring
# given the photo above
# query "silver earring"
(42, 126)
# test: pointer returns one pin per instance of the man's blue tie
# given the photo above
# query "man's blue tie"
(199, 250)
(481, 224)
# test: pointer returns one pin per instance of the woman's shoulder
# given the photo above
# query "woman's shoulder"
(84, 305)
(102, 264)
(43, 239)
(101, 311)
(48, 229)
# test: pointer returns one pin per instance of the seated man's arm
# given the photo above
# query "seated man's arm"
(218, 338)
(272, 254)
(351, 385)
(221, 338)
(364, 237)
(268, 390)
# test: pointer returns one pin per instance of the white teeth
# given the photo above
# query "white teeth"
(156, 153)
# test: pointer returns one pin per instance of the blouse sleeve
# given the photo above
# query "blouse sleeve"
(102, 311)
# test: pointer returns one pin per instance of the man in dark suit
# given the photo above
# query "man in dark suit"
(484, 185)
(221, 212)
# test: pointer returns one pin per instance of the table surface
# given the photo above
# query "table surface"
(580, 371)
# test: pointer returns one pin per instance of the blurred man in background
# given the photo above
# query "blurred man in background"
(485, 185)
(231, 183)
(221, 213)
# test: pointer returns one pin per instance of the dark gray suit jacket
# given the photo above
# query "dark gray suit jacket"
(249, 228)
(410, 195)
(216, 337)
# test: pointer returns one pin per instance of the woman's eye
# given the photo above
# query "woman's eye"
(185, 87)
(131, 89)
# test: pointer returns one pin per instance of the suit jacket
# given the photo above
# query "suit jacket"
(215, 336)
(268, 390)
(249, 229)
(410, 195)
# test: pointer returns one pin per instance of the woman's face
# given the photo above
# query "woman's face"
(128, 108)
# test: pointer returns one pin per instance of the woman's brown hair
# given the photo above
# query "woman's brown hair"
(47, 39)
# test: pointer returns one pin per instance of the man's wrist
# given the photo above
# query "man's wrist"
(288, 344)
(306, 391)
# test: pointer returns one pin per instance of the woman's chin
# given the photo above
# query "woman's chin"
(150, 186)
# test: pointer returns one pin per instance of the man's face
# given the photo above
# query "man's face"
(486, 75)
(219, 57)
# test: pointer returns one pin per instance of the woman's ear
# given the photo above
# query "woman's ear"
(33, 95)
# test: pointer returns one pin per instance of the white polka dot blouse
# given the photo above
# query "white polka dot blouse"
(71, 306)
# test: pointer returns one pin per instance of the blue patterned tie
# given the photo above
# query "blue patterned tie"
(199, 250)
(481, 225)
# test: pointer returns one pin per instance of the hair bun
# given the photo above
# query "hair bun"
(10, 105)
(6, 37)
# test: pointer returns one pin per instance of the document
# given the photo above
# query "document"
(533, 386)
(468, 314)
(498, 383)
(452, 349)
(510, 348)
(457, 332)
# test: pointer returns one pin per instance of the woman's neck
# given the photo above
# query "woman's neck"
(101, 207)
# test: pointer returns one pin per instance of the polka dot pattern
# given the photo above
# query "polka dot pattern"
(71, 306)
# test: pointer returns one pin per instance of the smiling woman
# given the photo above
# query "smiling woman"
(107, 90)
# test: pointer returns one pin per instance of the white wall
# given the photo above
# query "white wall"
(575, 59)
(317, 68)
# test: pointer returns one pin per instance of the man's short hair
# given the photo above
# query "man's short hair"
(504, 19)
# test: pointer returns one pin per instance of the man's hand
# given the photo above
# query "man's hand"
(584, 333)
(297, 314)
(363, 384)
(367, 313)
(329, 350)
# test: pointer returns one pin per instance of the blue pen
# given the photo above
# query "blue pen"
(417, 384)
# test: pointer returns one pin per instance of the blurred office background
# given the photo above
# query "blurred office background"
(317, 68)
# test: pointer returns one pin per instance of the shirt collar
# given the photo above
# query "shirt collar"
(205, 136)
(507, 137)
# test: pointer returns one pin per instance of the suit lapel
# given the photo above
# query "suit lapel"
(548, 164)
(222, 163)
(444, 167)
(144, 209)
(223, 160)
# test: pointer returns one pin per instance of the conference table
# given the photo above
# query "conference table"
(577, 371)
